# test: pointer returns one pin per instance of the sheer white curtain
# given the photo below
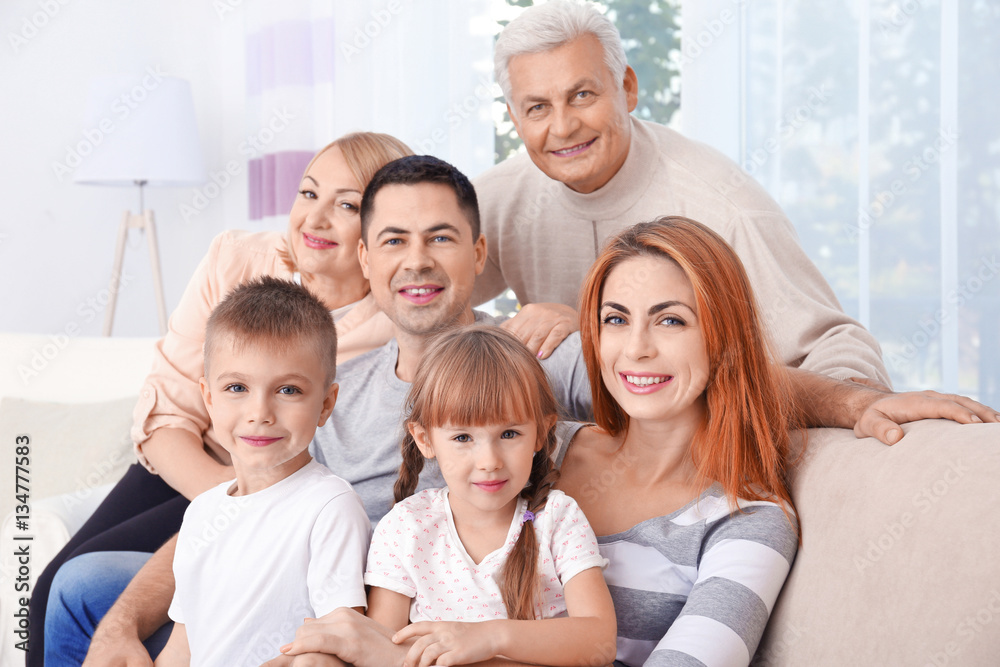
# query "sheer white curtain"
(317, 69)
(873, 124)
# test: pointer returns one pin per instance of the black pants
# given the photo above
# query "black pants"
(140, 514)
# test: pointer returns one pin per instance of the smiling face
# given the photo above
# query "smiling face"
(485, 467)
(324, 225)
(421, 259)
(266, 403)
(652, 350)
(571, 114)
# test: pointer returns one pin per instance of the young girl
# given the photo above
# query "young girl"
(472, 566)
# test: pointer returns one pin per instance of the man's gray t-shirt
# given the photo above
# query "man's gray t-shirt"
(360, 442)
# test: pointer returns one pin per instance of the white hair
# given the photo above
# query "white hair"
(545, 27)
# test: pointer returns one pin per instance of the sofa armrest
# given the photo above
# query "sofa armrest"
(898, 558)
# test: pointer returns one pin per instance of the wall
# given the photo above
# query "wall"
(57, 238)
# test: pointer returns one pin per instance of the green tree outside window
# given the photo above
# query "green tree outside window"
(651, 35)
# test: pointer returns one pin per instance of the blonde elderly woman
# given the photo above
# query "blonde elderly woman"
(178, 452)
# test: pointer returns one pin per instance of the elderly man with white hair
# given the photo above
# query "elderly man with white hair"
(592, 170)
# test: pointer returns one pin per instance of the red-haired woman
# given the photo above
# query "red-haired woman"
(682, 478)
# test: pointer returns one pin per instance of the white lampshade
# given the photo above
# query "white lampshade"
(141, 130)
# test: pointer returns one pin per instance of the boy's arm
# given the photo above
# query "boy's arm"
(177, 652)
(585, 637)
(338, 543)
(824, 401)
(139, 612)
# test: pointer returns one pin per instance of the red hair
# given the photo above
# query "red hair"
(481, 375)
(744, 441)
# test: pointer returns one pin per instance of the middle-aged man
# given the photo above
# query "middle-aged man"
(591, 170)
(421, 250)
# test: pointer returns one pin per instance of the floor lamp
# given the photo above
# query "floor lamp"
(147, 137)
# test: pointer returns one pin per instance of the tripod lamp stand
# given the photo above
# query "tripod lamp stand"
(149, 137)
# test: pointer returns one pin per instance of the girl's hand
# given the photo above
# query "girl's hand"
(448, 643)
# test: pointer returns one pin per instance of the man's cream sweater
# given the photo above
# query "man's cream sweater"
(542, 238)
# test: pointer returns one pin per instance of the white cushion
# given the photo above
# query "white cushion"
(76, 453)
(73, 448)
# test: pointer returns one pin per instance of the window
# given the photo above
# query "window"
(870, 123)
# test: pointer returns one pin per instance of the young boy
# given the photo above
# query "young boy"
(287, 539)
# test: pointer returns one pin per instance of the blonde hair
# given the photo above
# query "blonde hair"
(480, 375)
(365, 153)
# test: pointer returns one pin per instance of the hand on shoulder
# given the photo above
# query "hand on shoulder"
(543, 326)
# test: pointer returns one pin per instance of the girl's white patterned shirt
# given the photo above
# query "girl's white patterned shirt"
(416, 552)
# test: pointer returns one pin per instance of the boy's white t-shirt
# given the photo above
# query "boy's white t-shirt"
(248, 569)
(416, 552)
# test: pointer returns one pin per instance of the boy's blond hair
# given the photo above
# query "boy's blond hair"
(275, 313)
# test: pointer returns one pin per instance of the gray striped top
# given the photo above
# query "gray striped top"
(696, 587)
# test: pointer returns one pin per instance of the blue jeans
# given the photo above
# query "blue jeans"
(82, 592)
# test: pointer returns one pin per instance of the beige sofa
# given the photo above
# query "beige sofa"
(72, 398)
(898, 564)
